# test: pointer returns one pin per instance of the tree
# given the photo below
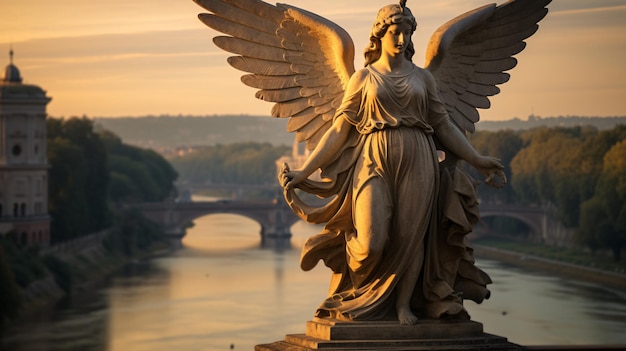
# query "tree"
(603, 217)
(67, 180)
(552, 169)
(80, 132)
(137, 175)
(240, 163)
(505, 145)
(78, 178)
(10, 297)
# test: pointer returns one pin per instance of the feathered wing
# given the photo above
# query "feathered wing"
(300, 61)
(469, 55)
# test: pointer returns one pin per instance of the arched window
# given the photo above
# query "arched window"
(0, 210)
(15, 209)
(23, 209)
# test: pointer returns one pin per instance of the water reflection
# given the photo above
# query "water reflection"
(223, 233)
(221, 288)
(533, 308)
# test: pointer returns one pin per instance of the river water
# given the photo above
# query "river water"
(221, 291)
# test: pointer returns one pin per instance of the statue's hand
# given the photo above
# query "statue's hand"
(492, 169)
(288, 179)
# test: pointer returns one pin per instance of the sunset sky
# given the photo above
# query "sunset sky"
(134, 58)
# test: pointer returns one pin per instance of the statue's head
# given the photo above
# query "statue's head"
(388, 15)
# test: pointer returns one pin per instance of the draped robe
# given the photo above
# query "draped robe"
(390, 203)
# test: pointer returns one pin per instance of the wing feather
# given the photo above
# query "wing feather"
(253, 50)
(495, 66)
(315, 138)
(290, 108)
(269, 82)
(309, 129)
(468, 56)
(279, 95)
(238, 31)
(300, 61)
(301, 119)
(258, 66)
(504, 52)
(482, 90)
(254, 14)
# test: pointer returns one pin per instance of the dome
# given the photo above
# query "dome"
(12, 74)
(11, 86)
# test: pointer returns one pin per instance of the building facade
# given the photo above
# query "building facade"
(23, 161)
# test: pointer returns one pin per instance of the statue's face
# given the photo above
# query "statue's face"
(397, 38)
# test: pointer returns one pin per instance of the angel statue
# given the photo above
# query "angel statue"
(397, 217)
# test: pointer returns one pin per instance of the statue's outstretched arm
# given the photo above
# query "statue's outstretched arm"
(454, 141)
(329, 146)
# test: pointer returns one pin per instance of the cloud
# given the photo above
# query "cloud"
(588, 10)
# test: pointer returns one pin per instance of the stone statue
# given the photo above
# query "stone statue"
(397, 216)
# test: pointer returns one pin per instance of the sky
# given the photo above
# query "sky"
(153, 57)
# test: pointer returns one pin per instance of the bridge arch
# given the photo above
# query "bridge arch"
(274, 217)
(222, 231)
(534, 218)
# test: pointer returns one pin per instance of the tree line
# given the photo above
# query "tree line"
(92, 171)
(238, 163)
(580, 171)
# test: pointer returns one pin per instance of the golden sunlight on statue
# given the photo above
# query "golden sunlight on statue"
(396, 221)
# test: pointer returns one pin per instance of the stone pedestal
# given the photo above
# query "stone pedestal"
(328, 334)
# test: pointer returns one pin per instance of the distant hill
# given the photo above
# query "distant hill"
(561, 121)
(170, 132)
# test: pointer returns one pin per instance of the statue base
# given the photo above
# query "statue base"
(330, 334)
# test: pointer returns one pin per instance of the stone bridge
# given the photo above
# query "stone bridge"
(543, 225)
(275, 217)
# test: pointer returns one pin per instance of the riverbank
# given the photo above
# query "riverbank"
(89, 267)
(39, 279)
(609, 279)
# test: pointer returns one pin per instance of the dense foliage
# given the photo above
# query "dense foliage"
(242, 163)
(579, 171)
(77, 180)
(10, 298)
(133, 234)
(91, 170)
(603, 217)
(137, 175)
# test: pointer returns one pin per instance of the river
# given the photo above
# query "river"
(221, 291)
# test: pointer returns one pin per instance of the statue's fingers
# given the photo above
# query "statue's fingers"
(289, 184)
(489, 178)
(502, 176)
(286, 178)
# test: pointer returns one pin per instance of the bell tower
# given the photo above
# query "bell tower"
(23, 160)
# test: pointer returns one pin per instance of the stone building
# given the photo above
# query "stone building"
(23, 161)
